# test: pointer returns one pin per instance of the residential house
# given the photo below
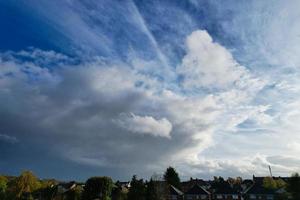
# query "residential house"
(186, 185)
(65, 190)
(197, 192)
(174, 193)
(224, 191)
(258, 191)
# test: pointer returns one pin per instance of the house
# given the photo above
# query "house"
(247, 183)
(64, 190)
(186, 185)
(258, 191)
(125, 184)
(197, 192)
(174, 193)
(223, 191)
(120, 190)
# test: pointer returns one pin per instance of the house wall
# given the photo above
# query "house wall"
(196, 197)
(259, 196)
(226, 197)
(174, 197)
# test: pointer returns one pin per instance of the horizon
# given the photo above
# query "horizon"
(182, 179)
(116, 88)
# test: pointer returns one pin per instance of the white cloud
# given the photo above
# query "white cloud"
(208, 64)
(96, 112)
(145, 125)
(269, 33)
(245, 167)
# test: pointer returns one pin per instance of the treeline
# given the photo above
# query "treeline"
(28, 187)
(24, 186)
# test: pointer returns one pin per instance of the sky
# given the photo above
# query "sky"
(123, 87)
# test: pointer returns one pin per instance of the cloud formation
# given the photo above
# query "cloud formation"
(216, 93)
(145, 125)
(109, 111)
(208, 64)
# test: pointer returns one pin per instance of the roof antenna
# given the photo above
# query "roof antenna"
(270, 170)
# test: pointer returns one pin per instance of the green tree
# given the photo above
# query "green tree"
(235, 181)
(74, 194)
(172, 177)
(98, 187)
(219, 179)
(137, 190)
(3, 187)
(280, 183)
(293, 186)
(271, 183)
(151, 191)
(11, 189)
(47, 189)
(119, 192)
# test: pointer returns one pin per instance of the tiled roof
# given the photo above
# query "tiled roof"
(197, 189)
(224, 188)
(175, 191)
(186, 185)
(258, 188)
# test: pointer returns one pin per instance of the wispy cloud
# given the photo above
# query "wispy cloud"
(142, 24)
(9, 139)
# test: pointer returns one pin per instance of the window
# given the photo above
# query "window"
(270, 197)
(174, 197)
(235, 196)
(203, 196)
(219, 196)
(252, 196)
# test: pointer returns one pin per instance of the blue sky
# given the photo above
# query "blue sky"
(130, 87)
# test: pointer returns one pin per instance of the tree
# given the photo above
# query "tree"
(235, 181)
(280, 183)
(293, 186)
(271, 183)
(24, 185)
(3, 186)
(118, 192)
(98, 187)
(74, 194)
(137, 190)
(151, 192)
(47, 189)
(172, 177)
(219, 182)
(219, 179)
